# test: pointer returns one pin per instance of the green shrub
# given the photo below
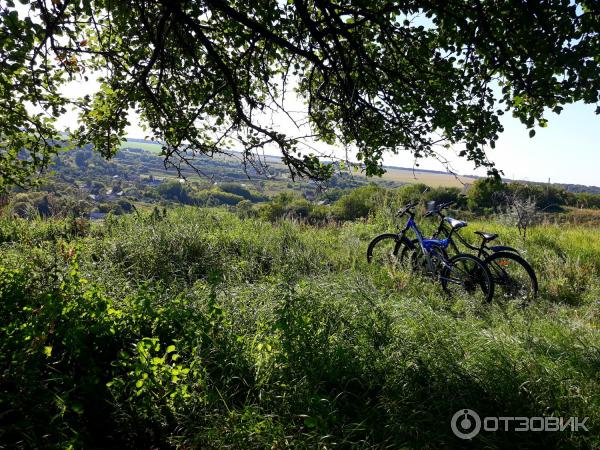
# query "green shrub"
(238, 189)
(174, 190)
(285, 205)
(57, 341)
(485, 193)
(359, 202)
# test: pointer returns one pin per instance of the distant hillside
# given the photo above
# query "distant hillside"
(394, 174)
(579, 188)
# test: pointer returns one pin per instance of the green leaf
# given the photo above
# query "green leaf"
(310, 422)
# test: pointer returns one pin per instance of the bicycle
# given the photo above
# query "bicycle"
(510, 271)
(462, 273)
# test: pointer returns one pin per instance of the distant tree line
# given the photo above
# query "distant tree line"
(490, 194)
(84, 183)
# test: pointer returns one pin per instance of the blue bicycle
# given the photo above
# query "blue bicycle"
(462, 275)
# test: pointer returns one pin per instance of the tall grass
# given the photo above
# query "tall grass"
(202, 329)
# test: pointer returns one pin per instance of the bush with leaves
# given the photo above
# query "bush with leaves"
(242, 191)
(484, 193)
(359, 202)
(57, 341)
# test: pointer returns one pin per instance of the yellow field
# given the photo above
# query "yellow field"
(431, 179)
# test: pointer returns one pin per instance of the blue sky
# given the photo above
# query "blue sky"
(566, 151)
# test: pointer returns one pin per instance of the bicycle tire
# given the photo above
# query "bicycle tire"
(482, 277)
(399, 242)
(498, 271)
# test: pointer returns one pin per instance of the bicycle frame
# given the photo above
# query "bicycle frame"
(428, 246)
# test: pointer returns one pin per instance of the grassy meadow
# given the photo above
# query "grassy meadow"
(148, 146)
(201, 329)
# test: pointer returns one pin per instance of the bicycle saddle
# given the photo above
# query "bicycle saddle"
(455, 224)
(487, 236)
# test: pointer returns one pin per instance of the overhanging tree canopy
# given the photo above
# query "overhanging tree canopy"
(380, 76)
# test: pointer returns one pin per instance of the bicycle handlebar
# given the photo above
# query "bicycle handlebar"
(406, 209)
(446, 205)
(438, 209)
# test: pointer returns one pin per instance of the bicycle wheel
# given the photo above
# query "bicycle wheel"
(385, 249)
(418, 262)
(468, 277)
(513, 275)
